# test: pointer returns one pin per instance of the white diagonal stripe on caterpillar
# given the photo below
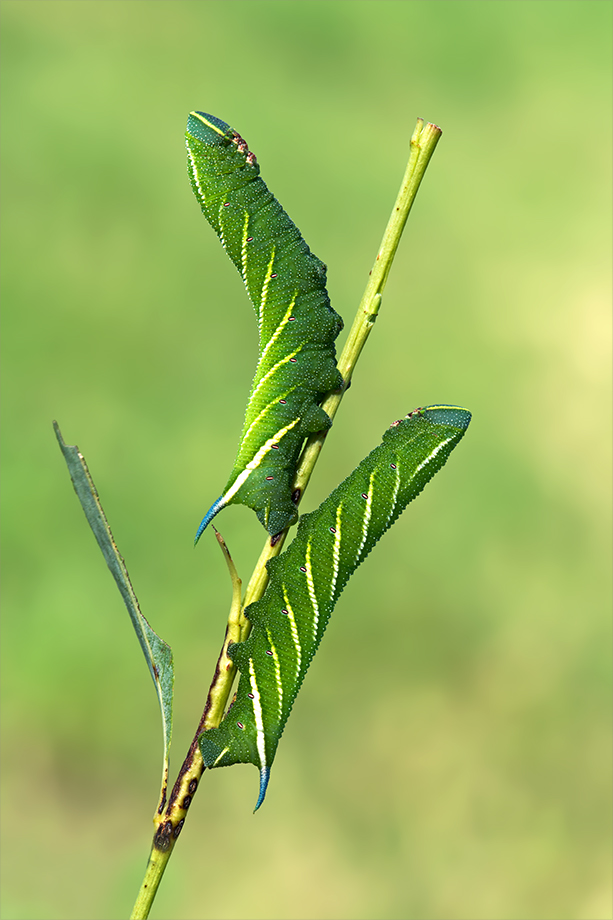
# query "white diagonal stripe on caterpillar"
(294, 631)
(336, 551)
(222, 238)
(275, 368)
(259, 456)
(395, 493)
(257, 712)
(432, 455)
(279, 329)
(194, 172)
(266, 409)
(311, 587)
(264, 296)
(244, 252)
(275, 656)
(367, 514)
(225, 751)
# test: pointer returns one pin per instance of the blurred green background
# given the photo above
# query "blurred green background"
(449, 755)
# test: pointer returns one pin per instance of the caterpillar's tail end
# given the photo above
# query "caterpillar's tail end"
(208, 517)
(448, 415)
(264, 777)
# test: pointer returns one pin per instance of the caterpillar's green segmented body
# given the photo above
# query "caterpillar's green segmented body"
(297, 326)
(307, 579)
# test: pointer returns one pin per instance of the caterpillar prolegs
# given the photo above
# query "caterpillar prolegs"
(297, 326)
(307, 579)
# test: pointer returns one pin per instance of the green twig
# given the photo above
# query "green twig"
(169, 820)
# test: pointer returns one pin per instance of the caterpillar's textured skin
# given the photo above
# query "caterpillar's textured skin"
(287, 287)
(307, 579)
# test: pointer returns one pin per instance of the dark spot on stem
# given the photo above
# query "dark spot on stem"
(161, 841)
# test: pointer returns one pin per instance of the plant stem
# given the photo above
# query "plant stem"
(153, 877)
(423, 143)
(170, 819)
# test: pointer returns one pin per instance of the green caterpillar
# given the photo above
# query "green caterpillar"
(287, 287)
(307, 579)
